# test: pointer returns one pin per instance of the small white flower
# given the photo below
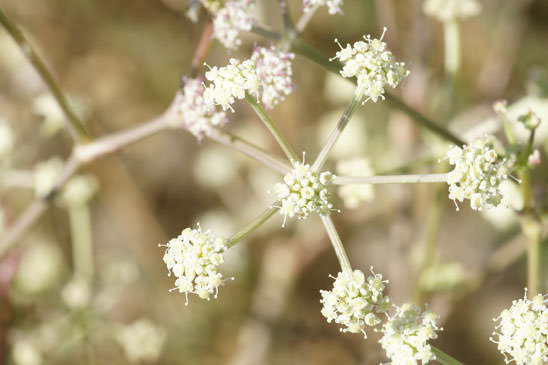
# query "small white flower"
(354, 194)
(274, 72)
(48, 108)
(232, 19)
(406, 335)
(304, 192)
(199, 115)
(373, 65)
(333, 6)
(231, 82)
(355, 301)
(522, 335)
(45, 176)
(477, 175)
(445, 10)
(193, 258)
(142, 341)
(78, 190)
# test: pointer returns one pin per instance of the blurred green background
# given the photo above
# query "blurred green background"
(121, 62)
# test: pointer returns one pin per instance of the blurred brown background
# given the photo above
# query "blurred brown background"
(122, 62)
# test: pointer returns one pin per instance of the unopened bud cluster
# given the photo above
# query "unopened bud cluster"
(193, 258)
(304, 192)
(231, 20)
(333, 6)
(406, 335)
(373, 65)
(445, 10)
(199, 114)
(355, 301)
(477, 174)
(522, 331)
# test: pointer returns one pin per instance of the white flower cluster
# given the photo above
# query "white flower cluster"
(142, 341)
(333, 6)
(373, 65)
(406, 335)
(232, 19)
(354, 194)
(445, 10)
(477, 174)
(273, 68)
(193, 258)
(231, 82)
(355, 301)
(266, 75)
(199, 114)
(303, 192)
(523, 331)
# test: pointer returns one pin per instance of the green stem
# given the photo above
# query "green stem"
(337, 243)
(336, 133)
(288, 150)
(81, 237)
(304, 49)
(74, 126)
(532, 231)
(444, 358)
(390, 179)
(451, 34)
(257, 222)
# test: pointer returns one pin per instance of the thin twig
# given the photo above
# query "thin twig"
(305, 19)
(256, 223)
(337, 243)
(202, 49)
(73, 125)
(390, 179)
(248, 149)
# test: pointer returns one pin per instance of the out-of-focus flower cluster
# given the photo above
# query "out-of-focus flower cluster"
(355, 301)
(198, 114)
(477, 174)
(445, 10)
(273, 68)
(523, 331)
(354, 194)
(193, 257)
(266, 76)
(142, 341)
(333, 6)
(373, 65)
(230, 20)
(406, 335)
(304, 192)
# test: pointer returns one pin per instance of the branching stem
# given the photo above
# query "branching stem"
(390, 179)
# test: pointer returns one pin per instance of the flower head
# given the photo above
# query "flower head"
(199, 114)
(141, 340)
(231, 82)
(522, 334)
(373, 65)
(232, 19)
(333, 6)
(193, 258)
(355, 301)
(477, 174)
(406, 335)
(273, 68)
(445, 10)
(304, 192)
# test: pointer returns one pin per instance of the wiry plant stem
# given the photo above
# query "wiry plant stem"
(390, 179)
(257, 222)
(337, 243)
(73, 125)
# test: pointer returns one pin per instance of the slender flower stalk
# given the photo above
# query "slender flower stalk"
(337, 243)
(451, 33)
(390, 179)
(74, 125)
(443, 357)
(336, 133)
(284, 144)
(257, 222)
